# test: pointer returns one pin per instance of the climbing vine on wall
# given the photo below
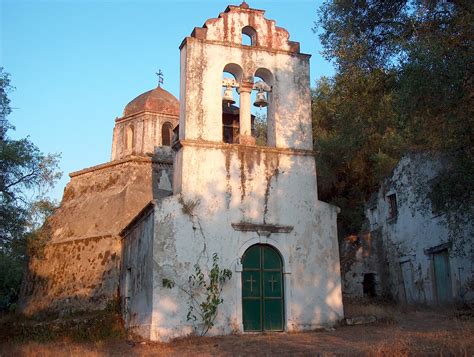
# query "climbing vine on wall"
(204, 290)
(204, 286)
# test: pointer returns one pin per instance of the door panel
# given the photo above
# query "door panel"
(442, 277)
(252, 310)
(273, 317)
(272, 286)
(271, 259)
(407, 281)
(262, 289)
(251, 284)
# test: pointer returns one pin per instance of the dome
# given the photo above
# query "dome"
(156, 100)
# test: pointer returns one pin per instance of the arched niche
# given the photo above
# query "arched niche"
(249, 36)
(129, 138)
(166, 134)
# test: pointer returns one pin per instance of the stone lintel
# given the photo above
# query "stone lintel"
(438, 248)
(263, 229)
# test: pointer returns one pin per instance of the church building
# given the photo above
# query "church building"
(189, 183)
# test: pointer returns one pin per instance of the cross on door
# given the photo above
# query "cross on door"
(273, 281)
(251, 281)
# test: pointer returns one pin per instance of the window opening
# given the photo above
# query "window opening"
(249, 36)
(262, 118)
(392, 201)
(166, 134)
(368, 285)
(246, 40)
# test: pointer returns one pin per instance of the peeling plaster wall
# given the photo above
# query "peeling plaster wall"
(203, 61)
(78, 271)
(416, 229)
(290, 99)
(364, 254)
(258, 186)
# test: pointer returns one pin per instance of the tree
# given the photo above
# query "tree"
(415, 57)
(25, 176)
(356, 140)
(260, 129)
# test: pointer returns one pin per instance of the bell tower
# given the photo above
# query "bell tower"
(260, 59)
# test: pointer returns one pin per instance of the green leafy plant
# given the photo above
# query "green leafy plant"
(204, 290)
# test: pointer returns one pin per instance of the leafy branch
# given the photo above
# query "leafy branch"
(204, 291)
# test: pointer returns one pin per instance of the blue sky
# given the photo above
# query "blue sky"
(77, 63)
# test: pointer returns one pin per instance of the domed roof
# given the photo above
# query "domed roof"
(156, 100)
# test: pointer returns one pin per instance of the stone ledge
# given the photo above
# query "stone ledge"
(221, 145)
(139, 159)
(80, 239)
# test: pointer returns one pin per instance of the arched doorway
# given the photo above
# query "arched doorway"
(262, 289)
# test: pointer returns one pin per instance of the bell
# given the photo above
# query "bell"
(261, 100)
(228, 98)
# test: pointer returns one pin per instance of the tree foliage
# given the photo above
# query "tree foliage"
(260, 129)
(404, 81)
(25, 176)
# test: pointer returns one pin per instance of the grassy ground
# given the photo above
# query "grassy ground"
(399, 331)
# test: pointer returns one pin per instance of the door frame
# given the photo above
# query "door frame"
(283, 250)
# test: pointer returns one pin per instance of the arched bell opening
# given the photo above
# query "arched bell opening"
(231, 77)
(249, 36)
(262, 123)
(262, 289)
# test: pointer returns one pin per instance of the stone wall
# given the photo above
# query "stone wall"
(79, 268)
(74, 275)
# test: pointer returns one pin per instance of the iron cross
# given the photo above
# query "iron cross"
(160, 77)
(273, 281)
(251, 281)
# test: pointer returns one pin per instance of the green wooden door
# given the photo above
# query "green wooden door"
(442, 276)
(262, 289)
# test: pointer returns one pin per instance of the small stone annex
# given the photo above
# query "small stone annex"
(410, 252)
(168, 202)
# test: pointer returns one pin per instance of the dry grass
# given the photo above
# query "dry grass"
(383, 311)
(80, 327)
(412, 331)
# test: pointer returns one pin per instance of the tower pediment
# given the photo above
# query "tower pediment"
(228, 27)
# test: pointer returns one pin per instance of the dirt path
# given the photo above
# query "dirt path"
(410, 333)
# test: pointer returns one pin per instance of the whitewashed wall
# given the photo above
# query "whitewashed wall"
(416, 229)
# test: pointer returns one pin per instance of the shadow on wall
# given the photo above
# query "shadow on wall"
(72, 276)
